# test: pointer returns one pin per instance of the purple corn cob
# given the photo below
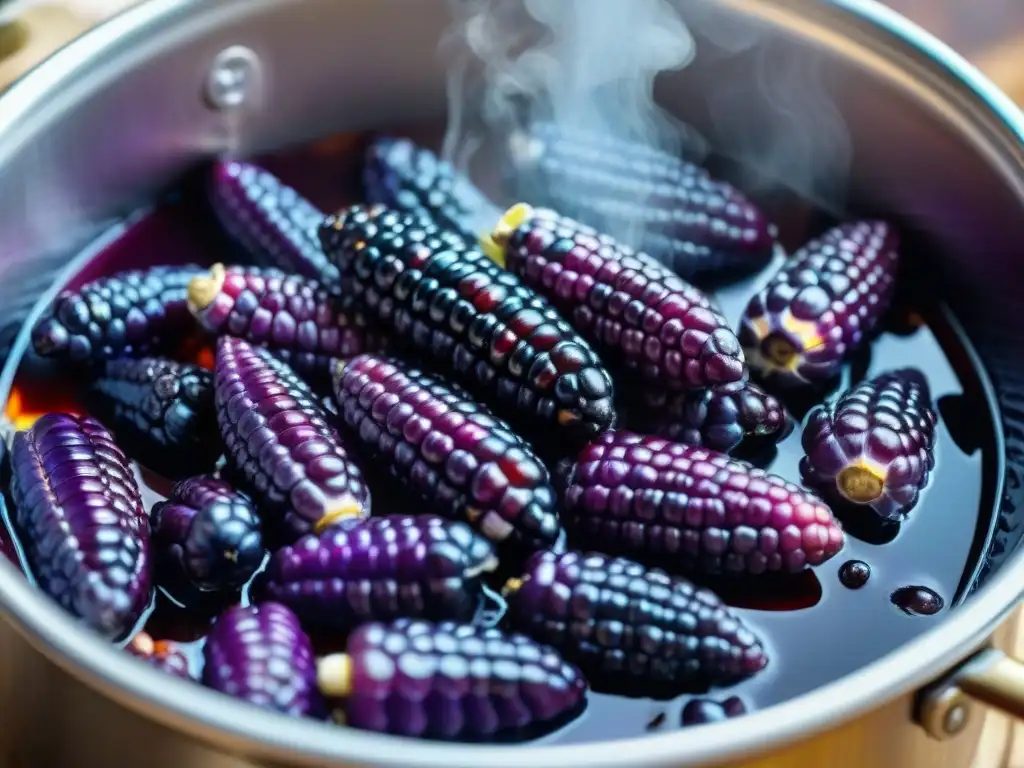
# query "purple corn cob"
(618, 620)
(270, 221)
(383, 568)
(699, 509)
(292, 316)
(824, 301)
(130, 314)
(412, 179)
(162, 411)
(701, 711)
(160, 654)
(448, 301)
(875, 445)
(278, 441)
(451, 681)
(260, 654)
(209, 533)
(719, 419)
(667, 207)
(81, 522)
(462, 460)
(632, 309)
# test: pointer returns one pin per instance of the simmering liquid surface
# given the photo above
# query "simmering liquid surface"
(815, 628)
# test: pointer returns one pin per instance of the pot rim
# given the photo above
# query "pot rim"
(261, 734)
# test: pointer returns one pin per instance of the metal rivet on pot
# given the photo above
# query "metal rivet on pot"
(943, 711)
(234, 78)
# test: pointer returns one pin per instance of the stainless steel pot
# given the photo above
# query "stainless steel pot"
(122, 112)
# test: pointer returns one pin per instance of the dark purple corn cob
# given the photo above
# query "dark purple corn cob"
(209, 533)
(632, 309)
(875, 445)
(618, 620)
(292, 316)
(824, 301)
(260, 654)
(701, 711)
(463, 461)
(383, 568)
(81, 522)
(697, 509)
(130, 314)
(160, 654)
(162, 411)
(278, 441)
(665, 206)
(270, 221)
(454, 306)
(451, 681)
(410, 178)
(719, 419)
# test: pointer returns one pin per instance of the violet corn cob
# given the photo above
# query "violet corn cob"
(278, 441)
(81, 522)
(160, 654)
(270, 221)
(693, 508)
(161, 411)
(451, 304)
(450, 681)
(665, 206)
(410, 178)
(632, 309)
(292, 316)
(130, 314)
(415, 566)
(209, 533)
(463, 461)
(624, 623)
(824, 302)
(719, 419)
(875, 445)
(260, 654)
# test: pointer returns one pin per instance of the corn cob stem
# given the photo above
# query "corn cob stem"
(493, 244)
(344, 509)
(862, 484)
(334, 675)
(203, 289)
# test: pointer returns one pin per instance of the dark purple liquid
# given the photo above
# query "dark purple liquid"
(854, 574)
(918, 601)
(806, 621)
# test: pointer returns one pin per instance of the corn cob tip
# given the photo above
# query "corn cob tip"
(861, 483)
(344, 508)
(493, 244)
(334, 675)
(203, 289)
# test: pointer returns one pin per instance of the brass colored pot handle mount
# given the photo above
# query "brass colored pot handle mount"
(990, 677)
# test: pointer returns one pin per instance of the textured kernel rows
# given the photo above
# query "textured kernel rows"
(448, 302)
(459, 458)
(620, 621)
(699, 509)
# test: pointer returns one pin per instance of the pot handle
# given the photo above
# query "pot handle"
(990, 677)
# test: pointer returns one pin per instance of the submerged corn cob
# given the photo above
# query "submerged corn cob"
(462, 460)
(274, 224)
(624, 623)
(260, 654)
(719, 419)
(292, 316)
(161, 411)
(665, 206)
(875, 445)
(81, 521)
(632, 309)
(693, 508)
(447, 300)
(822, 303)
(410, 178)
(415, 566)
(278, 441)
(129, 314)
(450, 681)
(209, 533)
(160, 654)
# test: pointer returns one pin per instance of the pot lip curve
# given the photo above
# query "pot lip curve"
(214, 718)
